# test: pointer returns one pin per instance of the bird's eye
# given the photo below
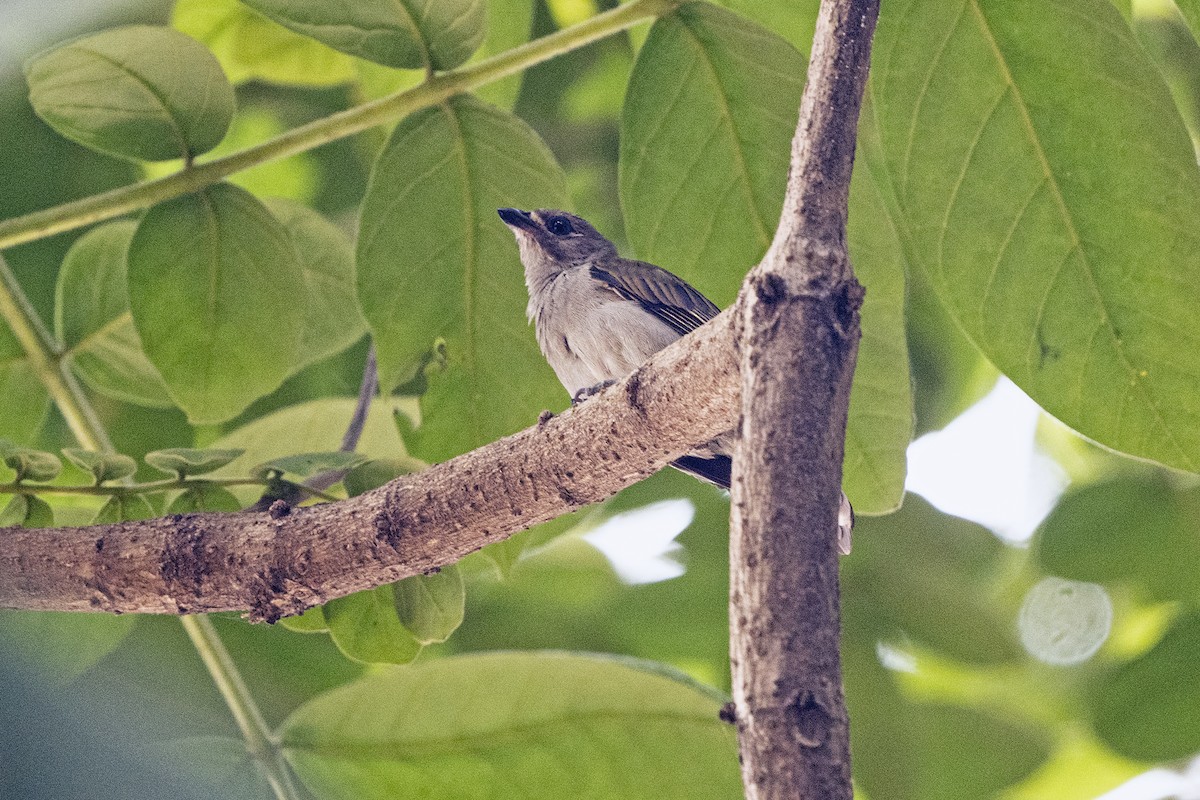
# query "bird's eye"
(559, 226)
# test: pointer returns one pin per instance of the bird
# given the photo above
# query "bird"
(598, 317)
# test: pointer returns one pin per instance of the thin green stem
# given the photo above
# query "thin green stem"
(263, 747)
(114, 203)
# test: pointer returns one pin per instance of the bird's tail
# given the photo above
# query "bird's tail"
(717, 470)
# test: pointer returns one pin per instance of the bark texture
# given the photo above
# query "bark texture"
(279, 562)
(797, 329)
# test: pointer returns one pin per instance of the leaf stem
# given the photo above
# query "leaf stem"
(261, 744)
(439, 87)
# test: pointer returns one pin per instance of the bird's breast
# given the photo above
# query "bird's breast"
(590, 335)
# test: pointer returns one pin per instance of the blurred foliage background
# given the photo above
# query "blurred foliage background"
(975, 667)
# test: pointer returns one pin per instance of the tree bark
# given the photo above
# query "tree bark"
(281, 562)
(797, 329)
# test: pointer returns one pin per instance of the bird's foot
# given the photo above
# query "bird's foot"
(588, 391)
(845, 526)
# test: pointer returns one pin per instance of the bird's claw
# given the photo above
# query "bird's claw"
(588, 391)
(845, 526)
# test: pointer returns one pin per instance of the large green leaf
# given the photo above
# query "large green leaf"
(1133, 531)
(435, 262)
(919, 559)
(332, 321)
(138, 92)
(1190, 9)
(92, 319)
(434, 34)
(795, 20)
(880, 425)
(1147, 709)
(705, 142)
(706, 133)
(22, 395)
(63, 645)
(252, 47)
(221, 765)
(218, 298)
(530, 725)
(1053, 199)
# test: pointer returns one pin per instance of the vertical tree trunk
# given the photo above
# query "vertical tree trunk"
(798, 337)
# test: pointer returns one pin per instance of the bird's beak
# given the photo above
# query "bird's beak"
(517, 219)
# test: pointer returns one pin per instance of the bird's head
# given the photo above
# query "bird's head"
(551, 241)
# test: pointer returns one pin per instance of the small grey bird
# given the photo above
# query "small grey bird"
(598, 317)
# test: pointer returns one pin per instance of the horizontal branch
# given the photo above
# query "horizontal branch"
(281, 562)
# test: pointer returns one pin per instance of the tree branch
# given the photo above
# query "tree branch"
(797, 332)
(282, 563)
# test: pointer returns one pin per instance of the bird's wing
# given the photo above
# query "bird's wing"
(672, 299)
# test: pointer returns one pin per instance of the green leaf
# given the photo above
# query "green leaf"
(27, 511)
(22, 394)
(315, 425)
(414, 34)
(63, 645)
(103, 466)
(920, 559)
(431, 606)
(332, 321)
(29, 464)
(307, 464)
(311, 621)
(366, 627)
(218, 298)
(509, 23)
(375, 473)
(14, 511)
(705, 142)
(795, 21)
(542, 725)
(220, 764)
(1190, 9)
(251, 47)
(204, 496)
(123, 508)
(1073, 268)
(880, 425)
(969, 753)
(138, 92)
(1130, 530)
(185, 461)
(1146, 710)
(434, 261)
(91, 318)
